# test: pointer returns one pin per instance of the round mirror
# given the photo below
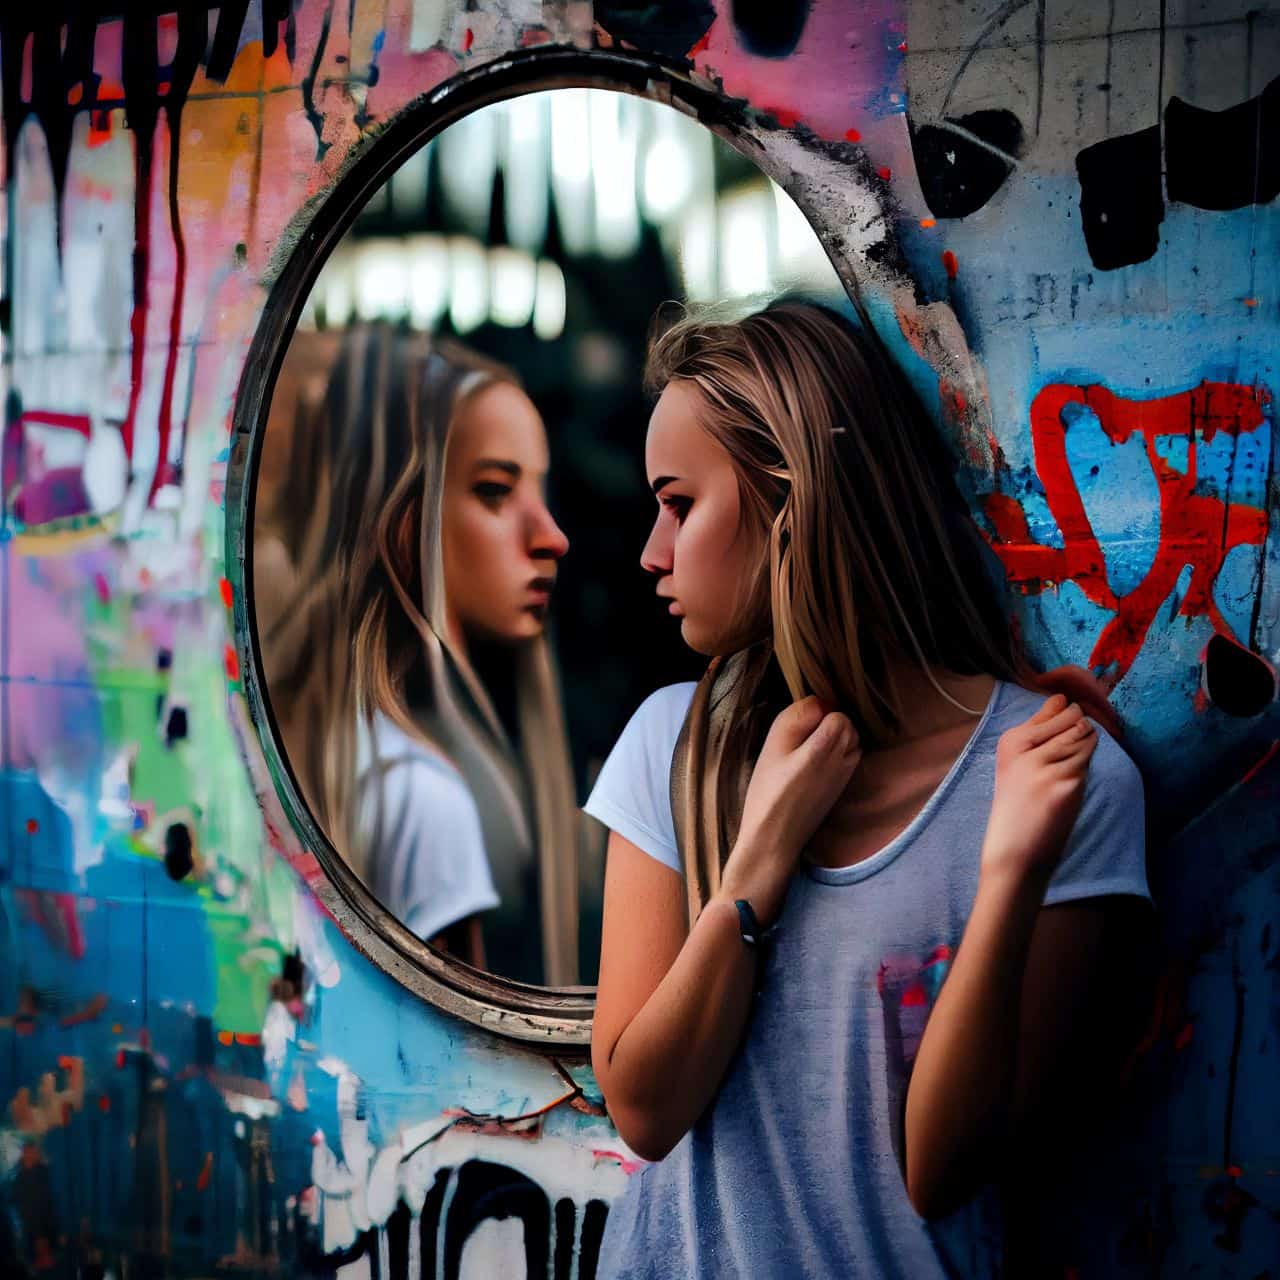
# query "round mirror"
(452, 620)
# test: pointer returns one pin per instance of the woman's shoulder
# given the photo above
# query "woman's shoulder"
(1110, 771)
(655, 725)
(383, 747)
(667, 705)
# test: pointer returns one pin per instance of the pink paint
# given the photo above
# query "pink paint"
(840, 67)
(27, 84)
(629, 1164)
(784, 116)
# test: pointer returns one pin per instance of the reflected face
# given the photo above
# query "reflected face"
(500, 545)
(705, 561)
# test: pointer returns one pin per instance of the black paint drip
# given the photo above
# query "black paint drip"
(178, 855)
(668, 27)
(1224, 159)
(770, 28)
(957, 174)
(1121, 204)
(63, 84)
(1216, 160)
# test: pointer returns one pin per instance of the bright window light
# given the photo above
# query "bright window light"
(613, 172)
(381, 282)
(571, 167)
(668, 177)
(744, 238)
(468, 161)
(525, 165)
(427, 257)
(698, 251)
(512, 284)
(549, 307)
(468, 284)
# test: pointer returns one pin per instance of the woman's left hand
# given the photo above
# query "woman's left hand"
(1041, 767)
(1078, 685)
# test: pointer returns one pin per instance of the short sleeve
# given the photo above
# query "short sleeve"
(427, 861)
(632, 795)
(1107, 850)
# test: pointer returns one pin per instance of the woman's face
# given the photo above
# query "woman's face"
(500, 545)
(703, 558)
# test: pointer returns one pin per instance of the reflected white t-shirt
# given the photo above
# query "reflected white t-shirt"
(427, 861)
(794, 1168)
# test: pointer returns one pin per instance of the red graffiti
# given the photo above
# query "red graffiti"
(1196, 530)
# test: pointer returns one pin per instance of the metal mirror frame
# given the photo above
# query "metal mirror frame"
(554, 1019)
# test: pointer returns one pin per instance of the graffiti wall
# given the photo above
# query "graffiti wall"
(1064, 218)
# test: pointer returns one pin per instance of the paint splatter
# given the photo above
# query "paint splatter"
(1195, 529)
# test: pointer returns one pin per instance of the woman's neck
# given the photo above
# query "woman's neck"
(940, 704)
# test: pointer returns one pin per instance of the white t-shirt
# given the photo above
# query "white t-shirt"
(632, 794)
(427, 861)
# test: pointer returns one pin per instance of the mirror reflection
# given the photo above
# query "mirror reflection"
(453, 621)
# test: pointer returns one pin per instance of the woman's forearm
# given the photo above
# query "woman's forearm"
(963, 1080)
(670, 1058)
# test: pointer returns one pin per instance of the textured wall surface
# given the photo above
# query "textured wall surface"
(1064, 214)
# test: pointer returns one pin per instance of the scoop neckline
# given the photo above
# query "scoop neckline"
(868, 866)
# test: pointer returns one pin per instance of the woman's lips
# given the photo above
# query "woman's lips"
(675, 610)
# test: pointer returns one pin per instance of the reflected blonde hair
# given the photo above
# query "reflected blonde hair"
(361, 630)
(867, 556)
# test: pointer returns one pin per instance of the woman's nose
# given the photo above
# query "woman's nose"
(655, 556)
(548, 538)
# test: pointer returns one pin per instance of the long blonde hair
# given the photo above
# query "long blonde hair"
(362, 630)
(867, 553)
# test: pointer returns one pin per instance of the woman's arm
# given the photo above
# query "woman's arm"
(672, 1002)
(1026, 982)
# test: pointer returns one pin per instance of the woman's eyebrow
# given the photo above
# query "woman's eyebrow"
(662, 481)
(499, 464)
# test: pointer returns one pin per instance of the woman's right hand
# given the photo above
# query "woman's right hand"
(806, 762)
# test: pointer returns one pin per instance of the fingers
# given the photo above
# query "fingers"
(1049, 708)
(1078, 739)
(1051, 720)
(797, 722)
(808, 722)
(835, 735)
(1085, 688)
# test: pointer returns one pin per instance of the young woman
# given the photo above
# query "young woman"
(857, 802)
(403, 577)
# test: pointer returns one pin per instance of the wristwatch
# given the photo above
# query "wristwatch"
(758, 939)
(752, 934)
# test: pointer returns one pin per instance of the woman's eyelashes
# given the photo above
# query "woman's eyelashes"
(491, 491)
(677, 505)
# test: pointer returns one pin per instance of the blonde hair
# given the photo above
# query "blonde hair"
(362, 631)
(867, 556)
